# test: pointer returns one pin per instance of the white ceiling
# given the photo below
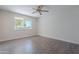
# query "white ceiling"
(22, 9)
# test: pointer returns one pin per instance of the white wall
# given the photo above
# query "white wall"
(1, 27)
(7, 28)
(61, 22)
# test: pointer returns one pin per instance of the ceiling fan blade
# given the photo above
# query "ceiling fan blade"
(34, 12)
(33, 8)
(44, 10)
(40, 13)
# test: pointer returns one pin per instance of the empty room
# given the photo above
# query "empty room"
(39, 29)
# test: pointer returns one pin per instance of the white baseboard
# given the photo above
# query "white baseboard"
(6, 39)
(57, 38)
(52, 37)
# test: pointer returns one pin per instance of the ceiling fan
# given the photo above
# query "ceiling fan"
(39, 9)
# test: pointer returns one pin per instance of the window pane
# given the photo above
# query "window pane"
(28, 23)
(19, 23)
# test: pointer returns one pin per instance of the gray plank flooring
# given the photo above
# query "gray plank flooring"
(38, 45)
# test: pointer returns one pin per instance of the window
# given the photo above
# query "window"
(22, 23)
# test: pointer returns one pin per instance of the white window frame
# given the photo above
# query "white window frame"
(24, 27)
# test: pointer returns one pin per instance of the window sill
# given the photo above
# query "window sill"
(23, 29)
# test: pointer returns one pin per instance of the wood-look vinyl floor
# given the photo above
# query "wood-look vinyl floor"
(37, 45)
